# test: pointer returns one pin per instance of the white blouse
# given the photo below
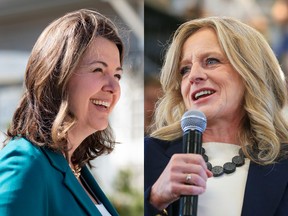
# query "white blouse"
(103, 210)
(224, 194)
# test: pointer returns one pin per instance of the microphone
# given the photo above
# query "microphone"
(193, 124)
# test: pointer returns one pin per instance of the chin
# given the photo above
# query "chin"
(100, 127)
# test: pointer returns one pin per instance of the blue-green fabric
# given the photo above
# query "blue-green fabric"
(36, 181)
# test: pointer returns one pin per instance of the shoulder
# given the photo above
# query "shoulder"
(23, 172)
(19, 146)
(152, 144)
(274, 172)
(282, 165)
(161, 148)
(282, 162)
(21, 154)
(153, 141)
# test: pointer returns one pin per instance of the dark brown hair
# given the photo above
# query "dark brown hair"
(43, 116)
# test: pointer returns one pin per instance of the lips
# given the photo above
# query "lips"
(202, 93)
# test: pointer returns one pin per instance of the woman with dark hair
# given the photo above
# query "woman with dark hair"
(71, 87)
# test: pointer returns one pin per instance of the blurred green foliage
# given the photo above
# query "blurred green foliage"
(130, 199)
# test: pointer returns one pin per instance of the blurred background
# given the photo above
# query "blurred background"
(163, 17)
(120, 174)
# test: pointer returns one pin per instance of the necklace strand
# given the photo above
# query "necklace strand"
(76, 170)
(229, 167)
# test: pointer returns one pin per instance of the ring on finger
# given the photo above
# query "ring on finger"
(188, 178)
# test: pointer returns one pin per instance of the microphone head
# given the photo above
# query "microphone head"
(193, 120)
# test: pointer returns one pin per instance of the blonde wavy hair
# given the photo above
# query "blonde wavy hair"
(263, 129)
(43, 115)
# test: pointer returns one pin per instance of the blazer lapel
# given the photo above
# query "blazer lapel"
(264, 189)
(59, 162)
(80, 194)
(100, 194)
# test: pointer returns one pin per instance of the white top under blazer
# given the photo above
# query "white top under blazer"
(225, 193)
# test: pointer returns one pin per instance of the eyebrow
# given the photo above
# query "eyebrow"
(104, 64)
(205, 54)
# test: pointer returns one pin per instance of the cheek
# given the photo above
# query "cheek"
(238, 93)
(235, 98)
(78, 98)
(75, 103)
(185, 93)
(185, 89)
(118, 94)
(239, 99)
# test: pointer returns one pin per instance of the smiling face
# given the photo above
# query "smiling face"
(209, 82)
(94, 86)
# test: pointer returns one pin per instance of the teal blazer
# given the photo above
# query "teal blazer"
(36, 181)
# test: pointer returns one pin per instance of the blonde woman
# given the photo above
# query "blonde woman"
(227, 70)
(72, 84)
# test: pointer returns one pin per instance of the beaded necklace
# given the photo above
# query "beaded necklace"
(229, 167)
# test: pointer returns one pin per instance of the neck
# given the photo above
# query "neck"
(75, 137)
(225, 129)
(221, 134)
(71, 148)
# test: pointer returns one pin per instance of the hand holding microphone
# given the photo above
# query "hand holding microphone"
(172, 183)
(193, 124)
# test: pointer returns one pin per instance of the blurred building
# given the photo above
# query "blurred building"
(163, 17)
(22, 21)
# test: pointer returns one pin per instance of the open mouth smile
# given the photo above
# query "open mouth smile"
(201, 94)
(101, 103)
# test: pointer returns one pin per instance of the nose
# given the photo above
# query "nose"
(197, 74)
(112, 85)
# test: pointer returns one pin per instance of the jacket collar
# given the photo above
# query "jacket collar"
(58, 161)
(100, 194)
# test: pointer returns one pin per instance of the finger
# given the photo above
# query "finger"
(209, 173)
(192, 190)
(188, 158)
(180, 159)
(178, 166)
(195, 159)
(185, 189)
(190, 179)
(192, 169)
(193, 179)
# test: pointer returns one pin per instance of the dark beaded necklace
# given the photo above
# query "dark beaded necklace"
(229, 167)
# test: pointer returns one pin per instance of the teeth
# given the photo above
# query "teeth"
(201, 93)
(102, 103)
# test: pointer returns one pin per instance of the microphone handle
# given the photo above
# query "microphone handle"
(192, 143)
(188, 205)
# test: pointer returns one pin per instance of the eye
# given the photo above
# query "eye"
(118, 76)
(184, 70)
(211, 61)
(98, 69)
